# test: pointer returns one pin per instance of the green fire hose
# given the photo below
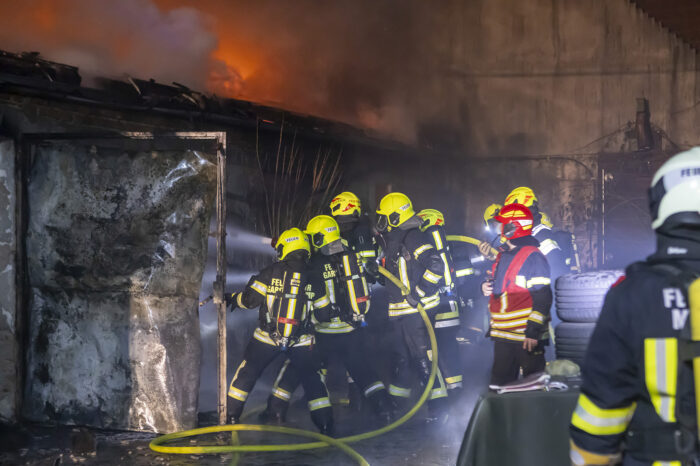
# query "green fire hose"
(323, 440)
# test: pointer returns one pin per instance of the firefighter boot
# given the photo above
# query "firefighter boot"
(276, 411)
(323, 420)
(384, 409)
(354, 395)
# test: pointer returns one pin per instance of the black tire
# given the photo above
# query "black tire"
(571, 340)
(573, 314)
(579, 297)
(602, 279)
(569, 331)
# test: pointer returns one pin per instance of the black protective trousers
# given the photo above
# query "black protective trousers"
(258, 356)
(350, 349)
(510, 357)
(410, 346)
(449, 359)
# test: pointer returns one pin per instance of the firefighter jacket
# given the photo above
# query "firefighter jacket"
(448, 315)
(280, 292)
(470, 266)
(522, 295)
(411, 257)
(637, 378)
(340, 291)
(358, 236)
(551, 250)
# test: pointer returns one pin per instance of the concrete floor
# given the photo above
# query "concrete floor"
(415, 443)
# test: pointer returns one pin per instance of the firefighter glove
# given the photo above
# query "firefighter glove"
(231, 301)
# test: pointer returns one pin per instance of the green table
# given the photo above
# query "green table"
(519, 429)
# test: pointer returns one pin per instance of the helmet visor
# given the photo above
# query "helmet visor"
(317, 238)
(382, 222)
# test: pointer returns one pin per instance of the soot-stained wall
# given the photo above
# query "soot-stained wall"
(116, 245)
(8, 318)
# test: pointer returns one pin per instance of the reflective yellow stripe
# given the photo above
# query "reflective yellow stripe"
(509, 323)
(455, 379)
(534, 281)
(281, 393)
(447, 315)
(239, 301)
(440, 391)
(259, 287)
(520, 281)
(334, 327)
(324, 301)
(507, 335)
(504, 302)
(319, 403)
(291, 305)
(598, 421)
(464, 272)
(399, 391)
(403, 274)
(421, 250)
(446, 274)
(666, 463)
(447, 323)
(438, 240)
(281, 374)
(548, 245)
(431, 277)
(512, 314)
(350, 285)
(661, 374)
(536, 317)
(378, 385)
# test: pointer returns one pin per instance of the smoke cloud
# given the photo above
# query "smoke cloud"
(114, 38)
(347, 61)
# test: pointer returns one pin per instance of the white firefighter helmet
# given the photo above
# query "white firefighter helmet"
(674, 195)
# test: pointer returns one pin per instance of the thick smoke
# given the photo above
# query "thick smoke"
(114, 38)
(348, 61)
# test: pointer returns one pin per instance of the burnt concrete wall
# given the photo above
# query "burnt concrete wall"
(512, 77)
(116, 246)
(9, 364)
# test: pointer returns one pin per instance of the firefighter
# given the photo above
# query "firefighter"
(410, 256)
(445, 317)
(340, 304)
(280, 292)
(567, 243)
(520, 299)
(540, 231)
(493, 233)
(638, 389)
(356, 230)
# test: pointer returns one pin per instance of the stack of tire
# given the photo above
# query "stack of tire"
(579, 299)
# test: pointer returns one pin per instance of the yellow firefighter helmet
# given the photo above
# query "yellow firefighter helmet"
(544, 220)
(292, 240)
(490, 212)
(322, 230)
(431, 217)
(394, 209)
(346, 203)
(521, 195)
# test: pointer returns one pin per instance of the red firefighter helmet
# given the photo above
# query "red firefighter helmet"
(516, 221)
